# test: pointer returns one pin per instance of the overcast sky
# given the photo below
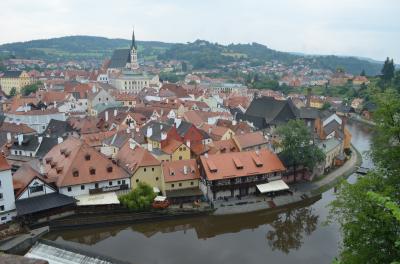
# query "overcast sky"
(367, 28)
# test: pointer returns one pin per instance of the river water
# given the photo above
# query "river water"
(293, 235)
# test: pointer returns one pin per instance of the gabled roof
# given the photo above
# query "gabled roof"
(272, 111)
(71, 162)
(240, 164)
(119, 58)
(57, 128)
(171, 146)
(180, 170)
(250, 139)
(131, 159)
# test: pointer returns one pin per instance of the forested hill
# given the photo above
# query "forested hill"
(201, 54)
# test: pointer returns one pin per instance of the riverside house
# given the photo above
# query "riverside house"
(238, 174)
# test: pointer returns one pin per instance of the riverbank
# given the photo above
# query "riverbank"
(301, 191)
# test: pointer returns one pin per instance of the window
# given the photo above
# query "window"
(87, 157)
(4, 218)
(1, 207)
(92, 171)
(123, 181)
(96, 185)
(144, 169)
(0, 183)
(69, 189)
(180, 184)
(82, 187)
(180, 149)
(119, 182)
(110, 183)
(180, 157)
(191, 183)
(156, 178)
(152, 169)
(1, 196)
(37, 188)
(172, 185)
(137, 180)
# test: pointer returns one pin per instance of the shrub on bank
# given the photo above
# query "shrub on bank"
(140, 199)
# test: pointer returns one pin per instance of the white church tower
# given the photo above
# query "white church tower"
(134, 65)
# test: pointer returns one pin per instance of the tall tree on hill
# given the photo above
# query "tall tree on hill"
(297, 150)
(388, 70)
(362, 73)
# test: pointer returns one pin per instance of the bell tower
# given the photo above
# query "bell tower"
(133, 54)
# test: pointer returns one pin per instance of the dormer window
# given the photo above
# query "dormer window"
(87, 157)
(48, 160)
(75, 173)
(92, 171)
(109, 168)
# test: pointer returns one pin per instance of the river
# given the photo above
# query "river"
(293, 235)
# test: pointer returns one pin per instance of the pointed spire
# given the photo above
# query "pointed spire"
(133, 45)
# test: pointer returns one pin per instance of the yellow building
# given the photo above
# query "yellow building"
(142, 166)
(15, 79)
(172, 150)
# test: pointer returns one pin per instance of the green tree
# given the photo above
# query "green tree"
(31, 88)
(13, 92)
(362, 73)
(297, 149)
(366, 210)
(326, 106)
(388, 70)
(140, 199)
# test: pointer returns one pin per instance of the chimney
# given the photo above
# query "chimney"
(115, 112)
(344, 123)
(60, 140)
(137, 129)
(234, 122)
(106, 116)
(20, 139)
(55, 104)
(128, 130)
(8, 137)
(132, 144)
(40, 139)
(188, 143)
(163, 136)
(178, 122)
(149, 131)
(185, 169)
(308, 97)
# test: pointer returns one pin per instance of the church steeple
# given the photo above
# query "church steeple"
(133, 45)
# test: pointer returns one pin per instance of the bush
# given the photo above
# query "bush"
(140, 199)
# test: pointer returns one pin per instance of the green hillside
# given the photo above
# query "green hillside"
(201, 54)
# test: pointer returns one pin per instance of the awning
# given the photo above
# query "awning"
(97, 199)
(42, 203)
(272, 186)
(160, 198)
(156, 190)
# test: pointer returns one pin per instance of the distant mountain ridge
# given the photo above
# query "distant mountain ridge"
(200, 53)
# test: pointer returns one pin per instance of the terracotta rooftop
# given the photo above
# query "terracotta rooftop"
(132, 159)
(171, 146)
(74, 162)
(4, 164)
(180, 170)
(240, 164)
(250, 139)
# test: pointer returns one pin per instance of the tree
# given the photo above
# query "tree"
(13, 92)
(362, 73)
(140, 199)
(326, 106)
(367, 210)
(388, 70)
(297, 149)
(31, 88)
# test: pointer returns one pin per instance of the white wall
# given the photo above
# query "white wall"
(8, 200)
(36, 182)
(76, 189)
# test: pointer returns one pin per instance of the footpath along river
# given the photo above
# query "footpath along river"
(293, 235)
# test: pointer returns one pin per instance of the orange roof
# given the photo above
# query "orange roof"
(131, 159)
(175, 170)
(23, 176)
(16, 128)
(172, 146)
(4, 164)
(250, 139)
(240, 164)
(71, 162)
(223, 146)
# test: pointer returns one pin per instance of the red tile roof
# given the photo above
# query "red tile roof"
(175, 170)
(132, 159)
(223, 166)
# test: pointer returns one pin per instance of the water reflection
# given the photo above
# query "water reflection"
(290, 228)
